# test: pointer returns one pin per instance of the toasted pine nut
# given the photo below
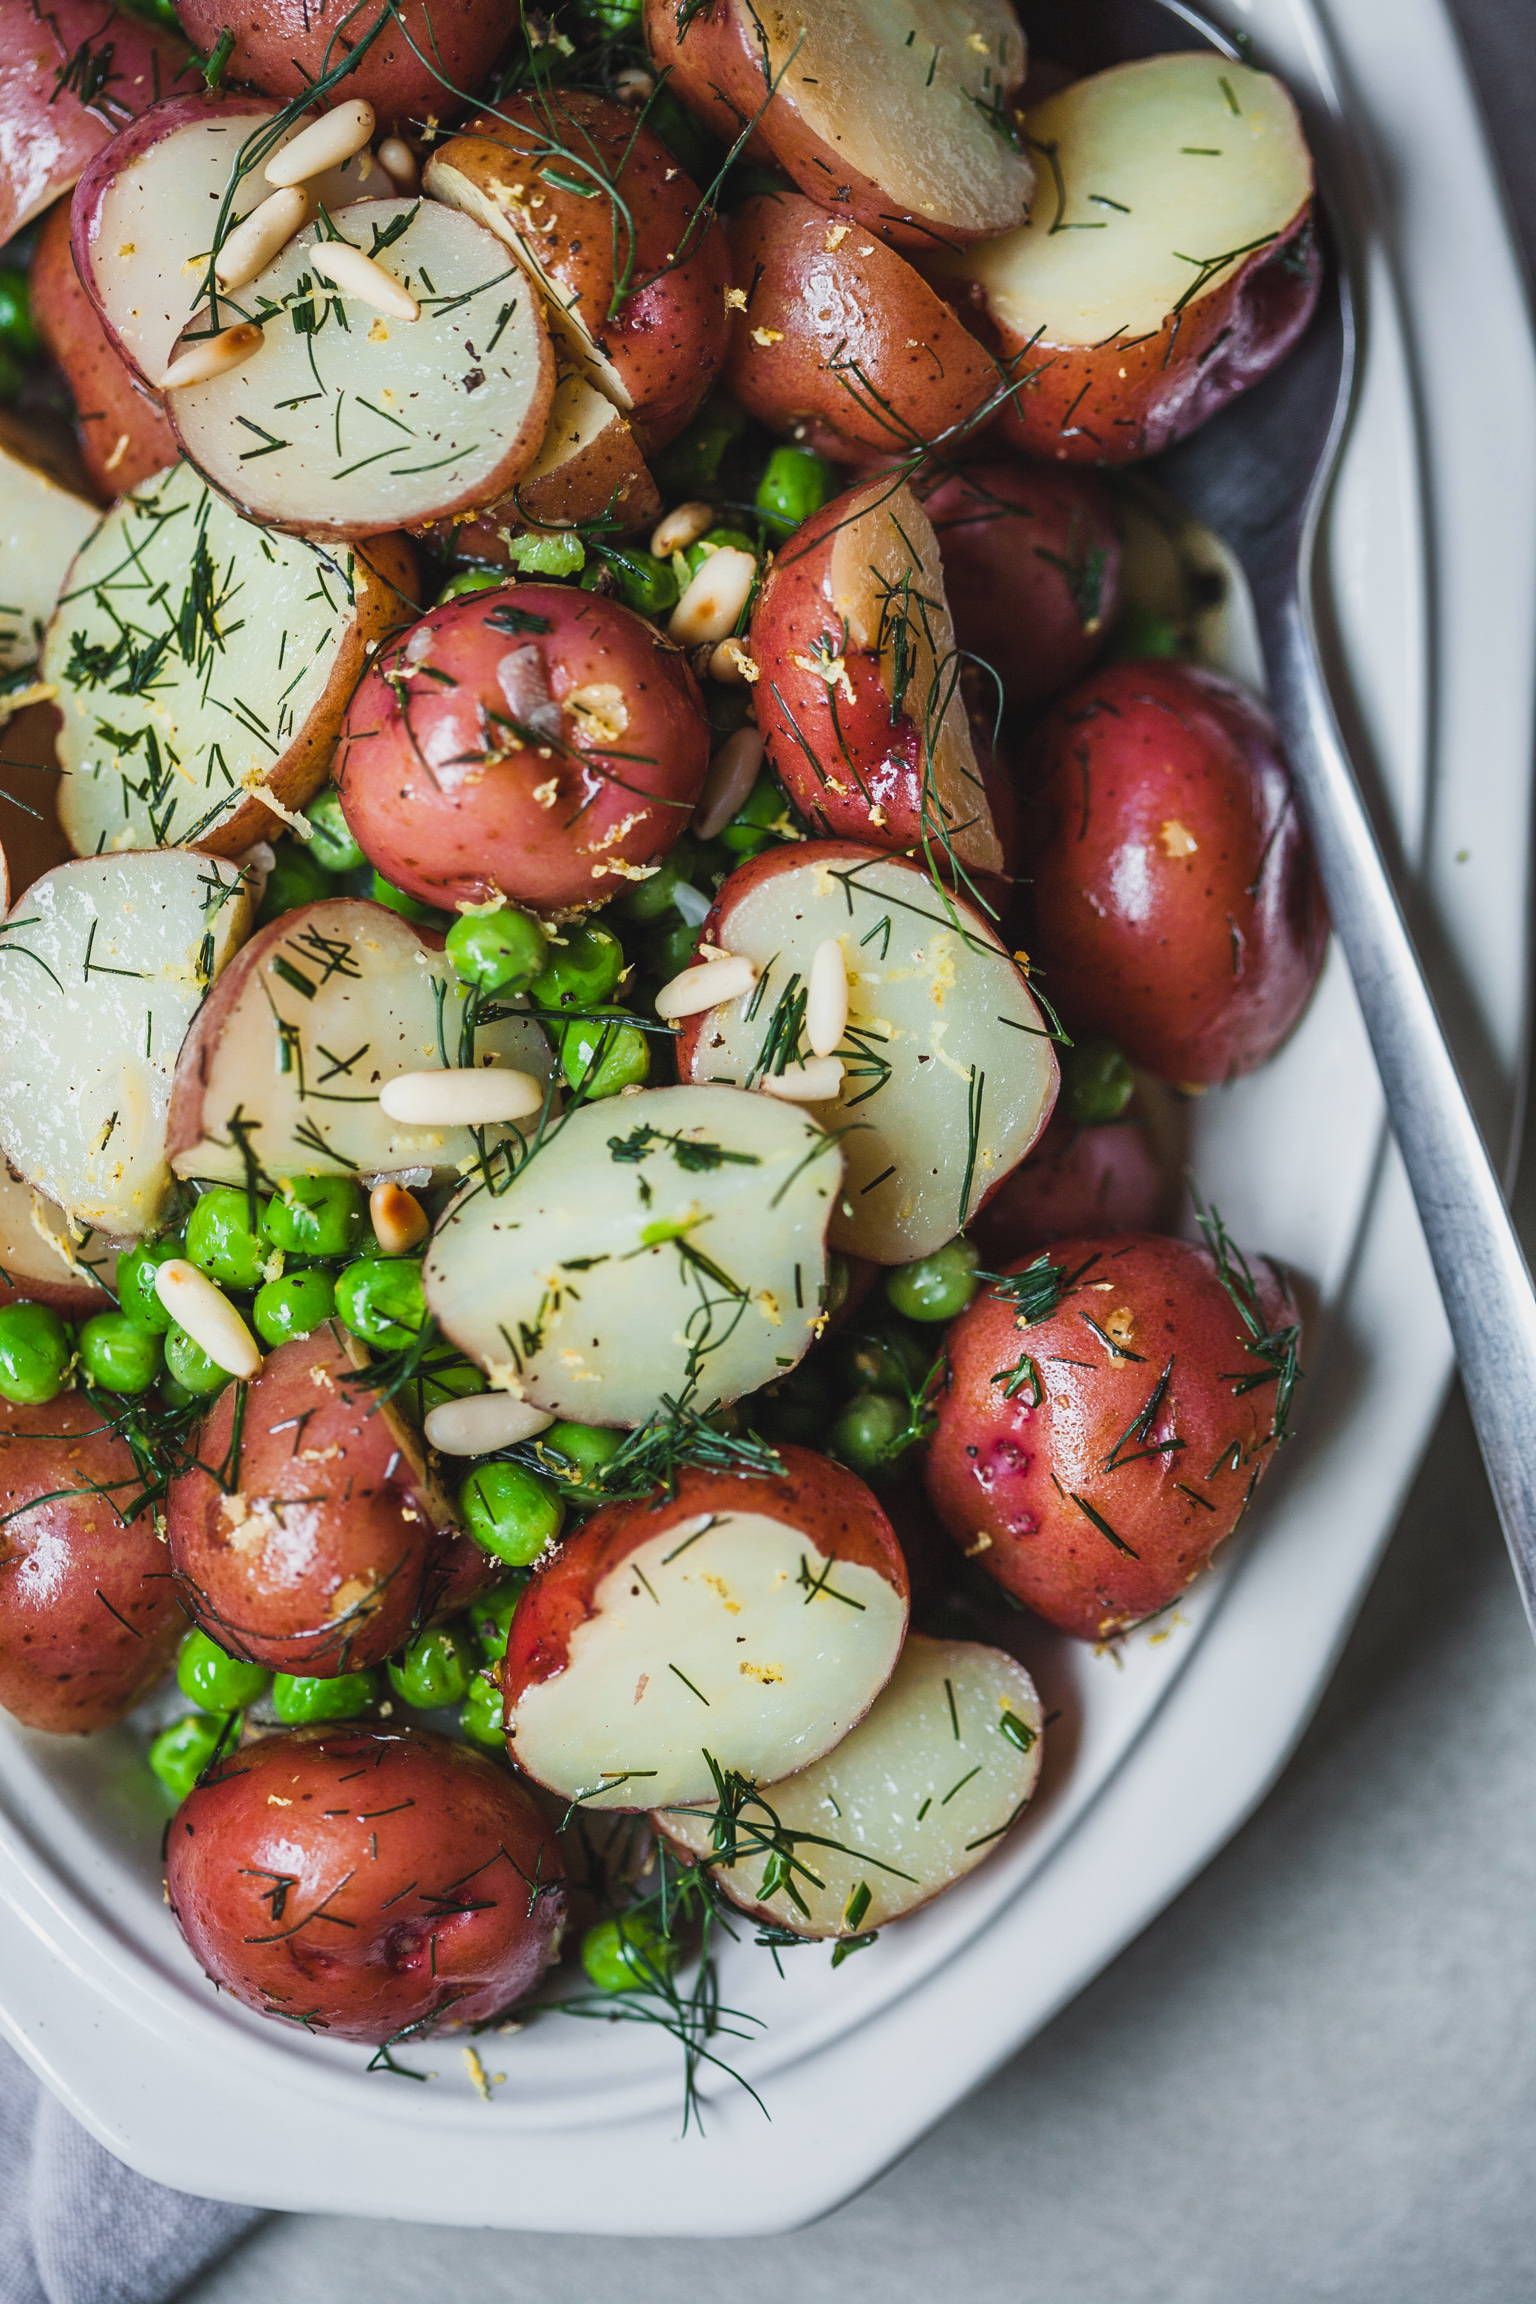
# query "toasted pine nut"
(826, 997)
(213, 356)
(358, 275)
(709, 984)
(345, 129)
(732, 666)
(683, 525)
(252, 245)
(634, 85)
(460, 1099)
(398, 1218)
(732, 774)
(814, 1083)
(484, 1421)
(710, 607)
(208, 1317)
(398, 162)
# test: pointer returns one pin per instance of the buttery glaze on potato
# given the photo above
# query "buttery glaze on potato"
(122, 427)
(422, 62)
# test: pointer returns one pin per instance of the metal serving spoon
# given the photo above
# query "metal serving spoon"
(1260, 474)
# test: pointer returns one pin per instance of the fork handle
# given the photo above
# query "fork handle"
(1483, 1276)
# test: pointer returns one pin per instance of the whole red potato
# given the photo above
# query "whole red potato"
(1101, 1178)
(366, 1881)
(426, 62)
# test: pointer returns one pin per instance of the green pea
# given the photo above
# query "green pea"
(793, 1408)
(409, 907)
(694, 556)
(433, 1669)
(648, 899)
(175, 1395)
(180, 1753)
(296, 1699)
(881, 1358)
(627, 1954)
(839, 1281)
(500, 951)
(220, 1240)
(380, 1299)
(753, 827)
(646, 584)
(796, 483)
(936, 1287)
(510, 1512)
(316, 1216)
(190, 1367)
(450, 1380)
(690, 466)
(469, 581)
(602, 1056)
(582, 1448)
(136, 1280)
(293, 1306)
(583, 969)
(1140, 634)
(866, 1431)
(297, 877)
(491, 1615)
(18, 330)
(612, 15)
(555, 553)
(670, 949)
(119, 1355)
(161, 12)
(1096, 1082)
(332, 844)
(34, 1354)
(215, 1679)
(480, 1715)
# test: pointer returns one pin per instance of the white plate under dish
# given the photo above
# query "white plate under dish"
(1171, 1742)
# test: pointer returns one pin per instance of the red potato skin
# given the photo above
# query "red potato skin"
(283, 46)
(857, 305)
(89, 1616)
(1002, 1474)
(1098, 1179)
(444, 801)
(359, 1880)
(1197, 963)
(123, 431)
(47, 134)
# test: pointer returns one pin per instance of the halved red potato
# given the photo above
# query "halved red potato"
(840, 342)
(121, 425)
(366, 1881)
(103, 964)
(1169, 261)
(289, 1052)
(898, 120)
(89, 1618)
(1105, 1416)
(949, 1073)
(303, 1538)
(911, 1800)
(1096, 1179)
(363, 423)
(858, 695)
(596, 210)
(257, 642)
(41, 1262)
(744, 1619)
(589, 468)
(411, 71)
(45, 517)
(540, 743)
(71, 74)
(29, 774)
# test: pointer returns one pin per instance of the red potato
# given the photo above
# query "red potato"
(751, 1618)
(589, 468)
(595, 209)
(425, 64)
(89, 1618)
(365, 1882)
(121, 425)
(1076, 1179)
(1176, 904)
(315, 1557)
(34, 842)
(897, 119)
(1150, 1382)
(41, 1263)
(859, 696)
(564, 759)
(72, 72)
(841, 343)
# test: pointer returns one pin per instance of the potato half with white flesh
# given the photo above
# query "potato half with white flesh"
(203, 667)
(103, 964)
(747, 1619)
(288, 1056)
(589, 468)
(44, 520)
(40, 1257)
(897, 117)
(949, 1072)
(1168, 263)
(914, 1797)
(350, 422)
(672, 1244)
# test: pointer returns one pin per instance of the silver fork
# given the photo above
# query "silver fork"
(1261, 475)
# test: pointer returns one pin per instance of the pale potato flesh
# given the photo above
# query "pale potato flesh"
(730, 1635)
(1172, 171)
(103, 964)
(39, 1247)
(43, 524)
(589, 464)
(672, 1242)
(914, 1797)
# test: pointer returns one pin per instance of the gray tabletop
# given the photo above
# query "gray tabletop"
(1314, 2076)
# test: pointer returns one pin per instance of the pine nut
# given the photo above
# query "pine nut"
(206, 1314)
(345, 129)
(728, 786)
(826, 998)
(252, 245)
(484, 1421)
(709, 984)
(355, 274)
(213, 356)
(683, 525)
(814, 1083)
(398, 162)
(713, 602)
(463, 1099)
(398, 1218)
(732, 666)
(634, 85)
